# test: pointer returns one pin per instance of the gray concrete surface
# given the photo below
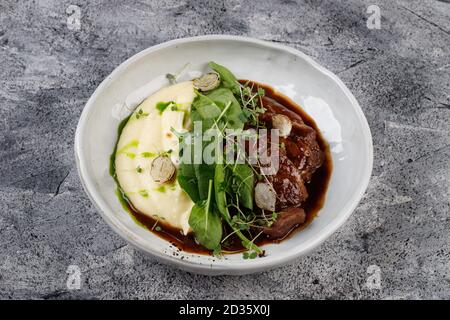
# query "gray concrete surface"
(400, 74)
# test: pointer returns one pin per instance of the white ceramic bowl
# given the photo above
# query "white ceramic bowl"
(316, 89)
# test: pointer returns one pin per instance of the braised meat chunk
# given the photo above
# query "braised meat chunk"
(299, 157)
(288, 184)
(287, 220)
(274, 107)
(304, 151)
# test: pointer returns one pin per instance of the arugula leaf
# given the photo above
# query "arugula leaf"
(228, 80)
(233, 115)
(243, 184)
(206, 223)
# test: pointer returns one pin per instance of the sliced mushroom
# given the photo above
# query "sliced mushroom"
(162, 169)
(282, 123)
(207, 82)
(265, 196)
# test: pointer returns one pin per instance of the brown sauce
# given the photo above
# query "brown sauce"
(316, 189)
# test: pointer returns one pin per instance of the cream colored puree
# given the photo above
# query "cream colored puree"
(147, 135)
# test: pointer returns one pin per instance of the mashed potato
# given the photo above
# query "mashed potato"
(147, 135)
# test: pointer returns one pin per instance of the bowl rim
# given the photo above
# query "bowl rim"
(222, 267)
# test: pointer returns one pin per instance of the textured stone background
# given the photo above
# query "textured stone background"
(400, 74)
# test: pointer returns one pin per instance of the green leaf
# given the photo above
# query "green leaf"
(220, 190)
(243, 184)
(193, 177)
(221, 201)
(206, 223)
(205, 110)
(204, 174)
(228, 80)
(188, 181)
(233, 115)
(186, 171)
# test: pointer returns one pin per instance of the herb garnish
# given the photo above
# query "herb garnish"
(148, 154)
(140, 114)
(231, 105)
(206, 222)
(143, 193)
(161, 106)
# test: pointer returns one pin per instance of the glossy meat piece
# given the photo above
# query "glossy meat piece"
(288, 184)
(287, 220)
(273, 107)
(286, 181)
(300, 156)
(301, 144)
(304, 151)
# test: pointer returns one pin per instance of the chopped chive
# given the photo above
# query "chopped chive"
(140, 114)
(161, 106)
(143, 193)
(161, 189)
(148, 154)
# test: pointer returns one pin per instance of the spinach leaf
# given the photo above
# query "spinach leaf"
(243, 184)
(206, 223)
(222, 206)
(205, 110)
(188, 181)
(220, 189)
(227, 79)
(186, 171)
(192, 176)
(204, 174)
(224, 98)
